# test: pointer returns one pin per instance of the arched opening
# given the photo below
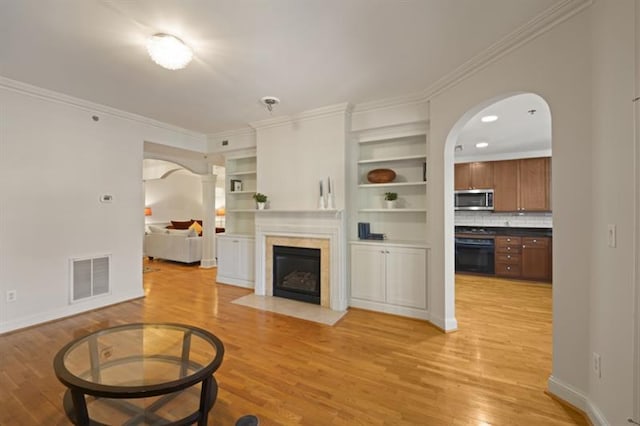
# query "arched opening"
(498, 174)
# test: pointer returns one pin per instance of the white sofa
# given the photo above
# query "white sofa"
(173, 244)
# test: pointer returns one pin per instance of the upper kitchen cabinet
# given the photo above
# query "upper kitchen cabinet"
(522, 185)
(477, 175)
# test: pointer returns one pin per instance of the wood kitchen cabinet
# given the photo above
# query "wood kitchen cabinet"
(478, 175)
(527, 258)
(522, 185)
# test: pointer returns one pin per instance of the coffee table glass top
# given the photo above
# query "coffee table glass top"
(140, 357)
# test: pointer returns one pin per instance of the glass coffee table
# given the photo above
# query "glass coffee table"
(139, 374)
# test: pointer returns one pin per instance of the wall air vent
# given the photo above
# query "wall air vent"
(90, 277)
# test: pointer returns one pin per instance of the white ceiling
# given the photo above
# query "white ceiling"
(516, 134)
(308, 53)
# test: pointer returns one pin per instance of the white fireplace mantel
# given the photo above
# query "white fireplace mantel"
(315, 224)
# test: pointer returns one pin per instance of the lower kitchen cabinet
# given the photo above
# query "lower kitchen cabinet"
(235, 260)
(390, 279)
(526, 258)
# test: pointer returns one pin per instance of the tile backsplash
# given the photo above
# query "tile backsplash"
(515, 220)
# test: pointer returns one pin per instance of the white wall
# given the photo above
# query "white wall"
(294, 155)
(176, 197)
(555, 66)
(614, 190)
(55, 162)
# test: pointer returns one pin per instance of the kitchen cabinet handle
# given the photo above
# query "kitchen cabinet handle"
(234, 241)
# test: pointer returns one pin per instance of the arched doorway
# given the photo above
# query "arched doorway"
(521, 132)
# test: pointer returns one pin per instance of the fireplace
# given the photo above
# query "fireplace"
(296, 273)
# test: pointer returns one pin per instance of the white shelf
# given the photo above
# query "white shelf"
(396, 210)
(393, 159)
(248, 172)
(316, 211)
(392, 184)
(240, 192)
(394, 243)
(242, 210)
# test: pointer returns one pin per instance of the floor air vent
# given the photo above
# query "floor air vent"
(89, 277)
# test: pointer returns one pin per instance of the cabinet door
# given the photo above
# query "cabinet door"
(536, 258)
(227, 256)
(368, 273)
(505, 185)
(246, 255)
(482, 175)
(462, 176)
(407, 277)
(534, 184)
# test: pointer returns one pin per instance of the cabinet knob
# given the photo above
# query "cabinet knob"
(509, 239)
(508, 248)
(382, 251)
(523, 208)
(535, 241)
(523, 246)
(234, 241)
(508, 256)
(508, 268)
(386, 251)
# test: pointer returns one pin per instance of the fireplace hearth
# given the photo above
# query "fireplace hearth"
(296, 273)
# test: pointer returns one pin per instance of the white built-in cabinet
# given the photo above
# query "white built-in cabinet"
(389, 278)
(236, 247)
(390, 275)
(236, 260)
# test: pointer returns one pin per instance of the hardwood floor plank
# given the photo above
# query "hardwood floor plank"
(369, 369)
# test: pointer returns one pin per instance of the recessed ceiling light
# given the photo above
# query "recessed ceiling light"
(482, 145)
(458, 148)
(169, 51)
(489, 118)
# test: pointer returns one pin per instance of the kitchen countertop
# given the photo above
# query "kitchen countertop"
(490, 231)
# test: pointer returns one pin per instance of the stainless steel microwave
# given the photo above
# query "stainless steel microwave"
(474, 199)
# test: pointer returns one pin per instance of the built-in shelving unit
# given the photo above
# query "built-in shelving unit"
(240, 186)
(403, 150)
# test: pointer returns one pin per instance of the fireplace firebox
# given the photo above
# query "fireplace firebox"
(296, 273)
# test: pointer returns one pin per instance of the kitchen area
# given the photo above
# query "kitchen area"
(502, 194)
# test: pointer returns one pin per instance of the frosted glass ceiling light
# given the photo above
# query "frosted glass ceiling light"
(489, 118)
(169, 51)
(482, 145)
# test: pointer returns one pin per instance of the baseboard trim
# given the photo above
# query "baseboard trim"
(390, 309)
(65, 312)
(208, 263)
(576, 399)
(234, 281)
(448, 325)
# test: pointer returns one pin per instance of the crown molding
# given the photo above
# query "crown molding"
(407, 99)
(50, 95)
(535, 27)
(313, 114)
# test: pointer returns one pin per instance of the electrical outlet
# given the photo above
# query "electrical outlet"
(597, 365)
(611, 235)
(12, 296)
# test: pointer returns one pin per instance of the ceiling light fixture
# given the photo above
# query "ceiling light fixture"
(169, 51)
(489, 118)
(269, 102)
(482, 145)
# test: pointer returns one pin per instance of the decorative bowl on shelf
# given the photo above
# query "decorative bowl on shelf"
(381, 176)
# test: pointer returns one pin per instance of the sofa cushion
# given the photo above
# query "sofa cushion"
(181, 224)
(158, 229)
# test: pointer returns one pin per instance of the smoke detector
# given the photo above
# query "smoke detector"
(269, 102)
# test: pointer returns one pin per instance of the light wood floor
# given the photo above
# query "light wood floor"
(369, 369)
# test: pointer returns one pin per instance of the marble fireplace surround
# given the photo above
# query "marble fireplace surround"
(321, 229)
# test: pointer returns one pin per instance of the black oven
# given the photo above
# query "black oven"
(475, 255)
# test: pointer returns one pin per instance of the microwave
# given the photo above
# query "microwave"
(474, 199)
